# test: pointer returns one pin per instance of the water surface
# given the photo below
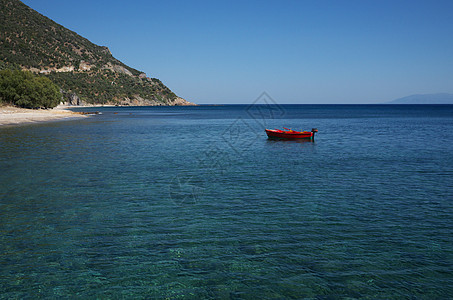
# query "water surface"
(196, 202)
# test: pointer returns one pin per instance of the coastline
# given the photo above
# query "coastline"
(10, 115)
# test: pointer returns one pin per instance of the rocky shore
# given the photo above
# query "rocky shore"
(71, 99)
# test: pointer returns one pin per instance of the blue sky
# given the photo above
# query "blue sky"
(351, 51)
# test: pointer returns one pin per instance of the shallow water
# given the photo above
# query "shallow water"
(196, 202)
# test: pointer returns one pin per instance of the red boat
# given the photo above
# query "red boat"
(290, 134)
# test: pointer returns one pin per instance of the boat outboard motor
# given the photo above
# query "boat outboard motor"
(314, 130)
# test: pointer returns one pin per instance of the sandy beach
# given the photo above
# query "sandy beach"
(10, 115)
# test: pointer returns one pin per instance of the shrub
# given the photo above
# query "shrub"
(27, 90)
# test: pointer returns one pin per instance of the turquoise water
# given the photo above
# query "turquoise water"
(196, 202)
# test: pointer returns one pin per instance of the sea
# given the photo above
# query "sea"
(197, 203)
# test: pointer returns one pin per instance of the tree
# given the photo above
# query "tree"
(24, 89)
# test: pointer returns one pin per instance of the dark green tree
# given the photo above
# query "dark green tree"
(27, 90)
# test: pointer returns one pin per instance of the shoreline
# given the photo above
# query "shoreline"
(13, 116)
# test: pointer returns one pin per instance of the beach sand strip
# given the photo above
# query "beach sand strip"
(10, 115)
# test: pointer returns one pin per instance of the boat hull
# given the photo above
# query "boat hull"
(282, 134)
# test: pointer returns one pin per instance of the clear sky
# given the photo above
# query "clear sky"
(351, 51)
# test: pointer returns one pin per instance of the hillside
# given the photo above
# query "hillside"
(87, 73)
(442, 98)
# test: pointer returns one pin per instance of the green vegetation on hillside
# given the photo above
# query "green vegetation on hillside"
(27, 90)
(102, 87)
(31, 41)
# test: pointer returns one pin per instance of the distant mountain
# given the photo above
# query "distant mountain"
(442, 98)
(86, 72)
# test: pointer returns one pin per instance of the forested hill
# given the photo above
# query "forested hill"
(84, 71)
